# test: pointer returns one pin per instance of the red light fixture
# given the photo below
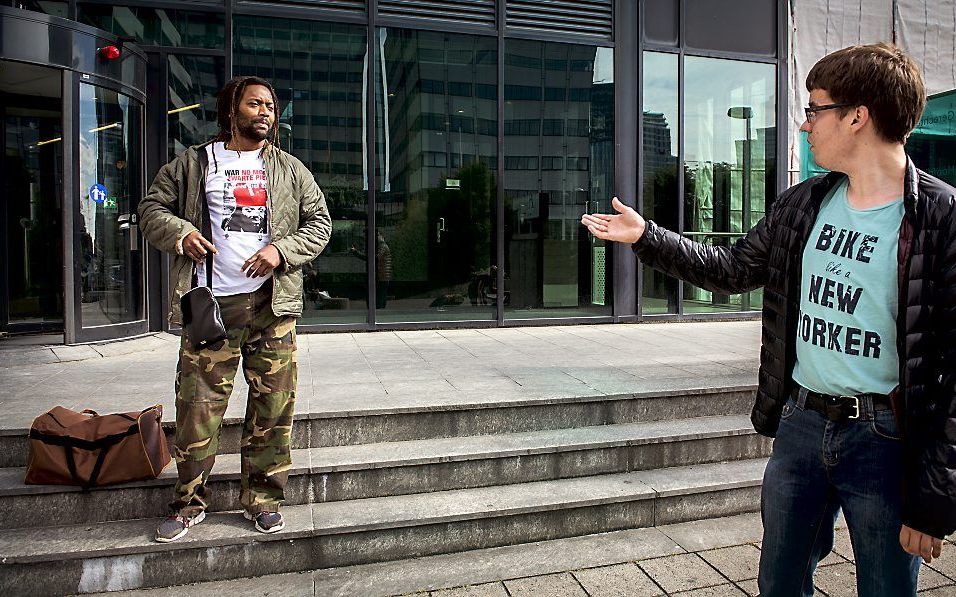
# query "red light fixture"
(109, 52)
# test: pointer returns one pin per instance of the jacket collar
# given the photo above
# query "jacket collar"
(910, 188)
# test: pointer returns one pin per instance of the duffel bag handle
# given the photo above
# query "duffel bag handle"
(89, 411)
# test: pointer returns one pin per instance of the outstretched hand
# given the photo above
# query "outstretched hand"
(627, 226)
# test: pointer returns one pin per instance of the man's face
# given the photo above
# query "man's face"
(254, 213)
(828, 133)
(256, 114)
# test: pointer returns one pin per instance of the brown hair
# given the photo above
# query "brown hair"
(227, 106)
(879, 76)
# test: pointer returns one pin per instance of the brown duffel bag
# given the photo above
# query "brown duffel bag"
(89, 450)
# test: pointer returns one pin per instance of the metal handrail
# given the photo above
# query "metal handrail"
(714, 233)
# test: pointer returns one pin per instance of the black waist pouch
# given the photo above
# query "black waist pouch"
(202, 320)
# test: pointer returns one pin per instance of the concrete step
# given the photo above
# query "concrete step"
(399, 468)
(478, 567)
(122, 555)
(426, 416)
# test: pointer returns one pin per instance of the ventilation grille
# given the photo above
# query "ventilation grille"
(359, 7)
(473, 13)
(573, 18)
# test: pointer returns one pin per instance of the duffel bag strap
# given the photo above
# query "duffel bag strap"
(99, 465)
(103, 445)
(71, 465)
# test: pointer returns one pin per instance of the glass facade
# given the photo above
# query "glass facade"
(317, 71)
(156, 27)
(729, 166)
(455, 164)
(191, 112)
(30, 210)
(436, 131)
(661, 165)
(558, 163)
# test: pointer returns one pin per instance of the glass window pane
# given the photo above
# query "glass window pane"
(437, 155)
(660, 21)
(746, 26)
(559, 163)
(110, 186)
(191, 114)
(50, 7)
(316, 69)
(661, 201)
(31, 176)
(154, 26)
(730, 169)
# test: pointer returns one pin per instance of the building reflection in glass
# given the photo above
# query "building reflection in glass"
(729, 169)
(317, 71)
(194, 82)
(436, 134)
(661, 201)
(559, 157)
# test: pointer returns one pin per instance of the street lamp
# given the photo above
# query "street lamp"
(745, 113)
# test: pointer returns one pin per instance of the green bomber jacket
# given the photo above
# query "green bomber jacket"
(299, 220)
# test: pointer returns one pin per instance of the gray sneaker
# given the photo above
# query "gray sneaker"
(176, 526)
(266, 522)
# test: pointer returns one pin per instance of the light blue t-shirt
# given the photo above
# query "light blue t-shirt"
(846, 334)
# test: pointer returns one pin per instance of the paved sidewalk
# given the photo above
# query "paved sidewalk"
(391, 371)
(707, 558)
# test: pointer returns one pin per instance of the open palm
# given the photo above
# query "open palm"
(626, 226)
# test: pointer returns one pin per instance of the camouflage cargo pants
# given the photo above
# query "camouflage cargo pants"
(266, 346)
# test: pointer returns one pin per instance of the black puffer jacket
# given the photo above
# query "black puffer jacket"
(771, 254)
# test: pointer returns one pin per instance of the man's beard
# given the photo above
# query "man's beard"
(247, 128)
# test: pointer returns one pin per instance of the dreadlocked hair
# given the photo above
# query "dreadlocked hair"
(227, 107)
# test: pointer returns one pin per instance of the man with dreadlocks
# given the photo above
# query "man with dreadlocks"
(265, 218)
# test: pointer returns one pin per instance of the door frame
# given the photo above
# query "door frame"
(73, 330)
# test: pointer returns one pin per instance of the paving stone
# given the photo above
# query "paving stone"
(842, 544)
(930, 579)
(948, 591)
(552, 585)
(946, 562)
(621, 580)
(837, 581)
(750, 587)
(832, 558)
(492, 589)
(736, 563)
(75, 353)
(700, 535)
(727, 590)
(681, 572)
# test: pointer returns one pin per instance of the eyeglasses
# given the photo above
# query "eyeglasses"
(811, 111)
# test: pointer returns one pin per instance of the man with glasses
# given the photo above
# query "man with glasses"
(857, 377)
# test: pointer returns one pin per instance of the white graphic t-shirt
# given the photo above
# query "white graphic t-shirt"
(239, 214)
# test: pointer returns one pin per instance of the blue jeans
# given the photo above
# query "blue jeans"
(817, 468)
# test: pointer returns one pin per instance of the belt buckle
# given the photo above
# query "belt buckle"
(855, 405)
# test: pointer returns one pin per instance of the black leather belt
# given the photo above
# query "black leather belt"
(842, 408)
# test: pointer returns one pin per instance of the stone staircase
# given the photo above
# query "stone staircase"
(382, 483)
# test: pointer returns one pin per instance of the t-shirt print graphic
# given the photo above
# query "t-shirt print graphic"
(248, 191)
